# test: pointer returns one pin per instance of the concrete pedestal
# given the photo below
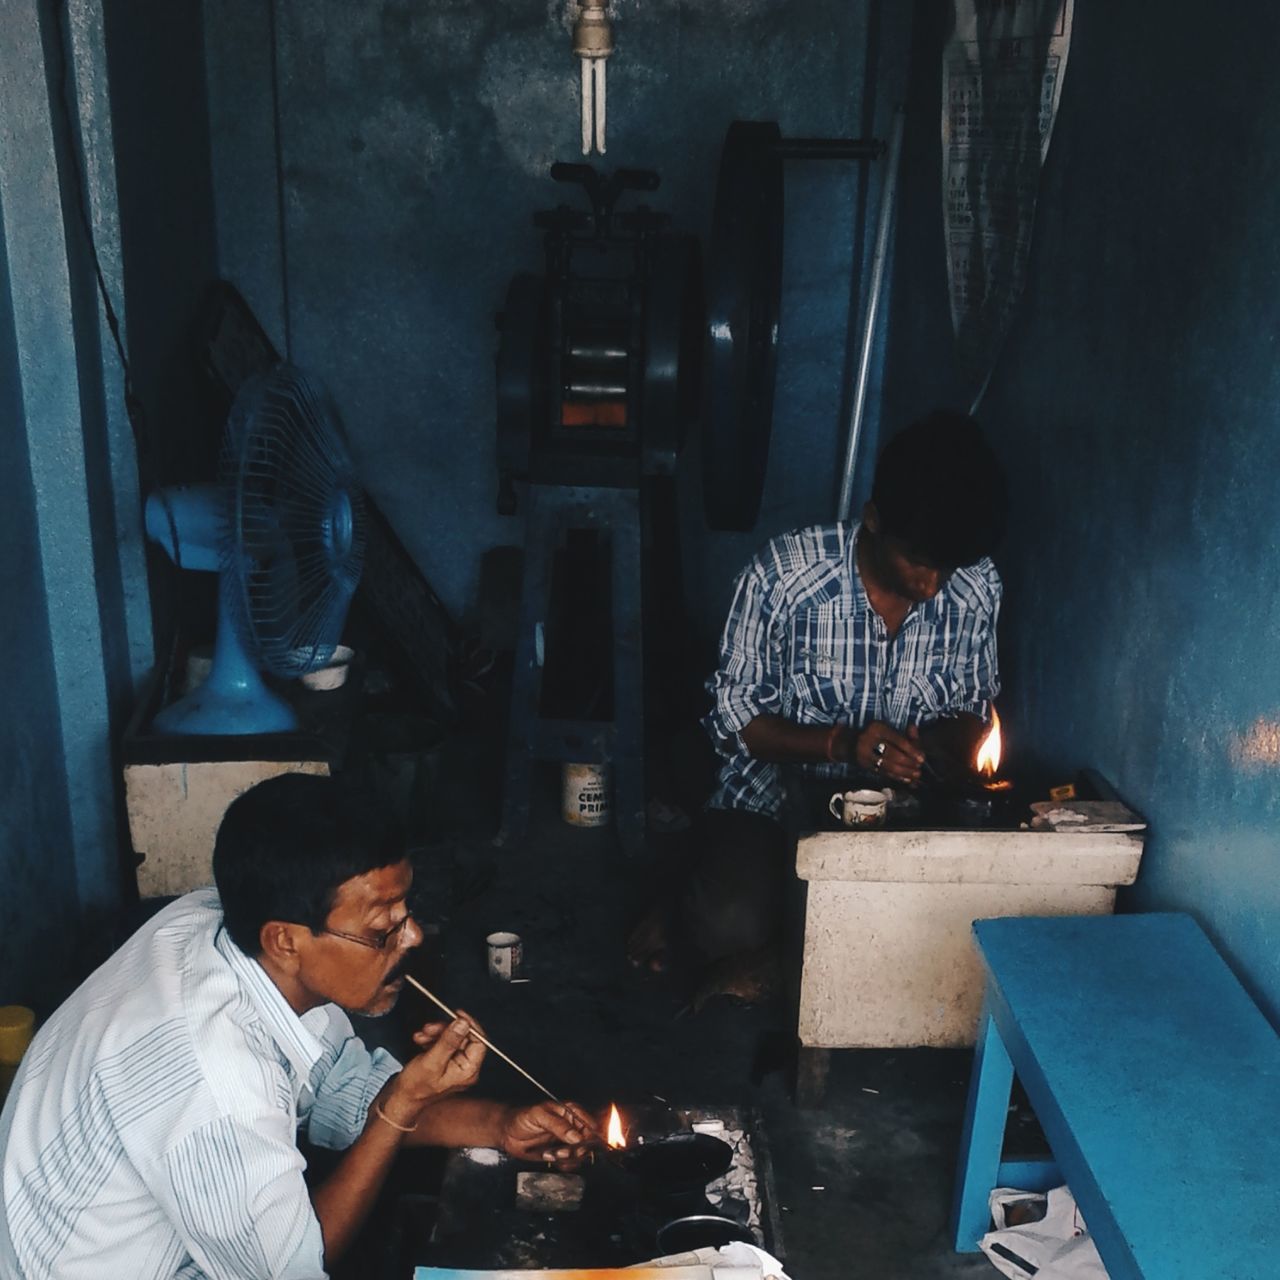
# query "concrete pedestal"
(888, 954)
(175, 810)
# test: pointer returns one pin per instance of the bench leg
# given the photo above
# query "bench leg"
(982, 1138)
(812, 1066)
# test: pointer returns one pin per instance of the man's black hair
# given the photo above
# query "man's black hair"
(941, 490)
(286, 845)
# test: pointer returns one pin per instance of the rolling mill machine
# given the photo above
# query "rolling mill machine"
(606, 360)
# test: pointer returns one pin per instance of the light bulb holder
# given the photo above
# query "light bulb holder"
(592, 32)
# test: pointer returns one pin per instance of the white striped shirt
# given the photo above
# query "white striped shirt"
(803, 642)
(151, 1131)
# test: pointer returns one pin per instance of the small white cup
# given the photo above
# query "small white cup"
(334, 674)
(863, 809)
(505, 954)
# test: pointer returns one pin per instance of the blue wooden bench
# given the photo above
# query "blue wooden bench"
(1156, 1080)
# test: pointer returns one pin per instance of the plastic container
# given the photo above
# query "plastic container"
(17, 1024)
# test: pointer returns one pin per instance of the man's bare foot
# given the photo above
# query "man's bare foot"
(648, 947)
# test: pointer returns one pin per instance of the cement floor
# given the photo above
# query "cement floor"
(864, 1181)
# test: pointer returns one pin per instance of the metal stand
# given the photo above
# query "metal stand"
(554, 510)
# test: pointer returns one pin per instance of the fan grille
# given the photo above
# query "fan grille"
(294, 533)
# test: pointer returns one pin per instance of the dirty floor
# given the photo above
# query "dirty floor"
(864, 1182)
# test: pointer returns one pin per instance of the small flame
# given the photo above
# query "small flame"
(988, 760)
(614, 1135)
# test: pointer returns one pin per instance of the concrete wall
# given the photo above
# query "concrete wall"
(374, 231)
(76, 624)
(1136, 403)
(35, 845)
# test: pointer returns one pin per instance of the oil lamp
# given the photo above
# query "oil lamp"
(987, 763)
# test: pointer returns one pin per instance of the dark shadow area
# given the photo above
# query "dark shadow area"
(866, 1176)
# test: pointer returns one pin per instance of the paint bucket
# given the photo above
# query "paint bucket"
(585, 795)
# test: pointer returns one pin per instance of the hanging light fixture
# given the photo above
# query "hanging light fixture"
(593, 43)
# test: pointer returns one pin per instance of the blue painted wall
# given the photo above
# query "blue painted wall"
(374, 230)
(1138, 405)
(414, 140)
(35, 846)
(76, 626)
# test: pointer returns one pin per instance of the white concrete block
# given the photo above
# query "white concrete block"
(889, 960)
(175, 810)
(970, 857)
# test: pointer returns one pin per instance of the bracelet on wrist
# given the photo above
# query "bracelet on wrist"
(386, 1119)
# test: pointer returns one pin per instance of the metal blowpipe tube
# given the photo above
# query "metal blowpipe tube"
(488, 1044)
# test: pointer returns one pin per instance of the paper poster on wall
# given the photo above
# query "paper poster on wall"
(1002, 76)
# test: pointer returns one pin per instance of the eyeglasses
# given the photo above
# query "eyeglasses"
(381, 941)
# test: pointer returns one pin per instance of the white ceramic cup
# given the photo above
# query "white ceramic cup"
(860, 808)
(333, 675)
(505, 953)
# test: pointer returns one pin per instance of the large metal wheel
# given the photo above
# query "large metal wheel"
(521, 380)
(744, 288)
(673, 350)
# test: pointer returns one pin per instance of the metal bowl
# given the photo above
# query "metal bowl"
(700, 1231)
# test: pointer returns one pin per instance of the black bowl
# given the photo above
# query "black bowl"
(701, 1231)
(677, 1163)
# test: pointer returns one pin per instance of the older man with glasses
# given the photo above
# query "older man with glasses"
(152, 1128)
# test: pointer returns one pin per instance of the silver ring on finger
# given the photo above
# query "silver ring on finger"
(879, 749)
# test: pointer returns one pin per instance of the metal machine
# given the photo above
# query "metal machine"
(605, 361)
(598, 383)
(599, 356)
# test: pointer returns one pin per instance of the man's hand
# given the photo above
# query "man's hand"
(557, 1133)
(890, 753)
(449, 1063)
(781, 741)
(952, 744)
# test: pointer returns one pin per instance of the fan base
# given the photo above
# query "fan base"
(211, 711)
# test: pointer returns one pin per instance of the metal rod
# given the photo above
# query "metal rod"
(887, 192)
(830, 148)
(597, 390)
(598, 353)
(488, 1044)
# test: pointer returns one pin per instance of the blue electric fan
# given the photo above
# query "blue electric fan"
(284, 527)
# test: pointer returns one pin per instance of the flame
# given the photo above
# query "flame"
(988, 760)
(614, 1136)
